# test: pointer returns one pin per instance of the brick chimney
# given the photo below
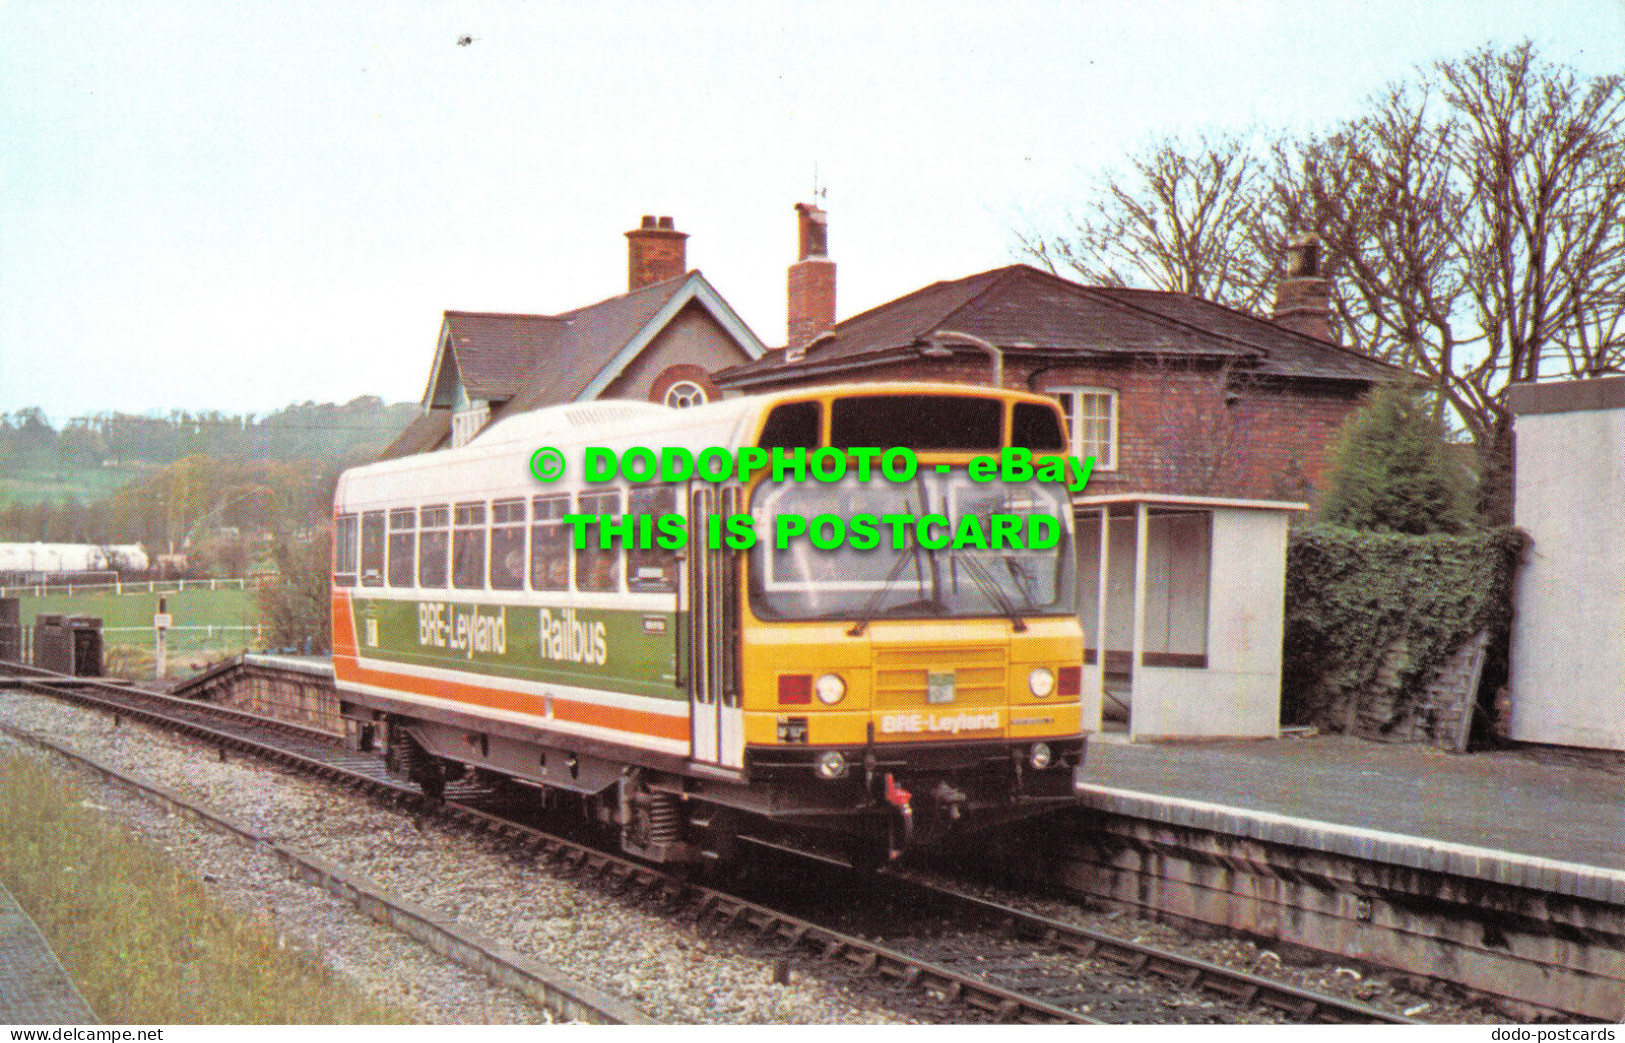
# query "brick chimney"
(812, 281)
(1303, 298)
(655, 252)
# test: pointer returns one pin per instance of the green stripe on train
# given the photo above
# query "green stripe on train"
(611, 649)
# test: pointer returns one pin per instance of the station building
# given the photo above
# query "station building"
(657, 342)
(1209, 428)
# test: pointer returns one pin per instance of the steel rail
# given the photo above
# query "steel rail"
(546, 985)
(767, 923)
(63, 685)
(1188, 971)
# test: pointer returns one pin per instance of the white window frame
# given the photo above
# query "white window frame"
(1074, 436)
(467, 423)
(672, 392)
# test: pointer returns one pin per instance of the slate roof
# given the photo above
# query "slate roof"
(493, 351)
(590, 338)
(1023, 309)
(522, 362)
(420, 436)
(1286, 352)
(545, 359)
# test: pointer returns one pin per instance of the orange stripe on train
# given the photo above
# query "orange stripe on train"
(641, 722)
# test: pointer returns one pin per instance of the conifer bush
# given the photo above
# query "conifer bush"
(1392, 470)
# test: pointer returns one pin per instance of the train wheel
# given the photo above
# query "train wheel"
(417, 765)
(714, 829)
(432, 782)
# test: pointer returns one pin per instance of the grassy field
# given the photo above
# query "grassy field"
(145, 943)
(75, 484)
(189, 608)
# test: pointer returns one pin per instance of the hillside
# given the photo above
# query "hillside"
(89, 458)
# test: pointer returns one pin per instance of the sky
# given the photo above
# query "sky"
(236, 206)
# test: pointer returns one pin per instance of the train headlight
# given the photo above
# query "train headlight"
(1040, 757)
(1040, 682)
(831, 765)
(831, 689)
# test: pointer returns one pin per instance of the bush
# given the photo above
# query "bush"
(1352, 596)
(1392, 470)
(296, 606)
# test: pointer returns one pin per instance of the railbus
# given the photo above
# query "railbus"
(726, 683)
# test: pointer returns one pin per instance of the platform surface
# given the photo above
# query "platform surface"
(1542, 802)
(318, 665)
(34, 989)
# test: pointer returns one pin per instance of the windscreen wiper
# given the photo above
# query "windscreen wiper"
(992, 591)
(1022, 577)
(871, 607)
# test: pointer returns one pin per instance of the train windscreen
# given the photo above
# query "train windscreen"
(924, 423)
(1001, 561)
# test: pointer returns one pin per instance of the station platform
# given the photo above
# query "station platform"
(34, 989)
(1535, 816)
(1546, 818)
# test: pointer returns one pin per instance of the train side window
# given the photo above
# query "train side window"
(508, 545)
(345, 531)
(372, 549)
(652, 571)
(794, 425)
(434, 543)
(403, 545)
(468, 546)
(550, 544)
(599, 569)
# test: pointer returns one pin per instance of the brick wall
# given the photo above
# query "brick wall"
(655, 252)
(1181, 429)
(811, 300)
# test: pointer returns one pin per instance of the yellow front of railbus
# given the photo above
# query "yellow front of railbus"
(914, 644)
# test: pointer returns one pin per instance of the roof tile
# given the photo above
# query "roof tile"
(1020, 306)
(420, 436)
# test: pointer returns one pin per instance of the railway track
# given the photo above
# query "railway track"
(1078, 967)
(988, 962)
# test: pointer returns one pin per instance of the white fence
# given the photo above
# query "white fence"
(204, 638)
(208, 631)
(145, 586)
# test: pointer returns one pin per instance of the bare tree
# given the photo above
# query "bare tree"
(1545, 155)
(1383, 195)
(1184, 219)
(1474, 221)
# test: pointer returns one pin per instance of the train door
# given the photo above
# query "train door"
(730, 711)
(716, 722)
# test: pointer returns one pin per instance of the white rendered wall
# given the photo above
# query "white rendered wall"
(1239, 694)
(1568, 634)
(1089, 703)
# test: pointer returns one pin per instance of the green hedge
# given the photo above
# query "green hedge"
(1351, 596)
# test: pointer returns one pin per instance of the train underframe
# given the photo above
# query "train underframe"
(893, 797)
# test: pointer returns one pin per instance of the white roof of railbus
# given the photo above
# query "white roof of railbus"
(623, 423)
